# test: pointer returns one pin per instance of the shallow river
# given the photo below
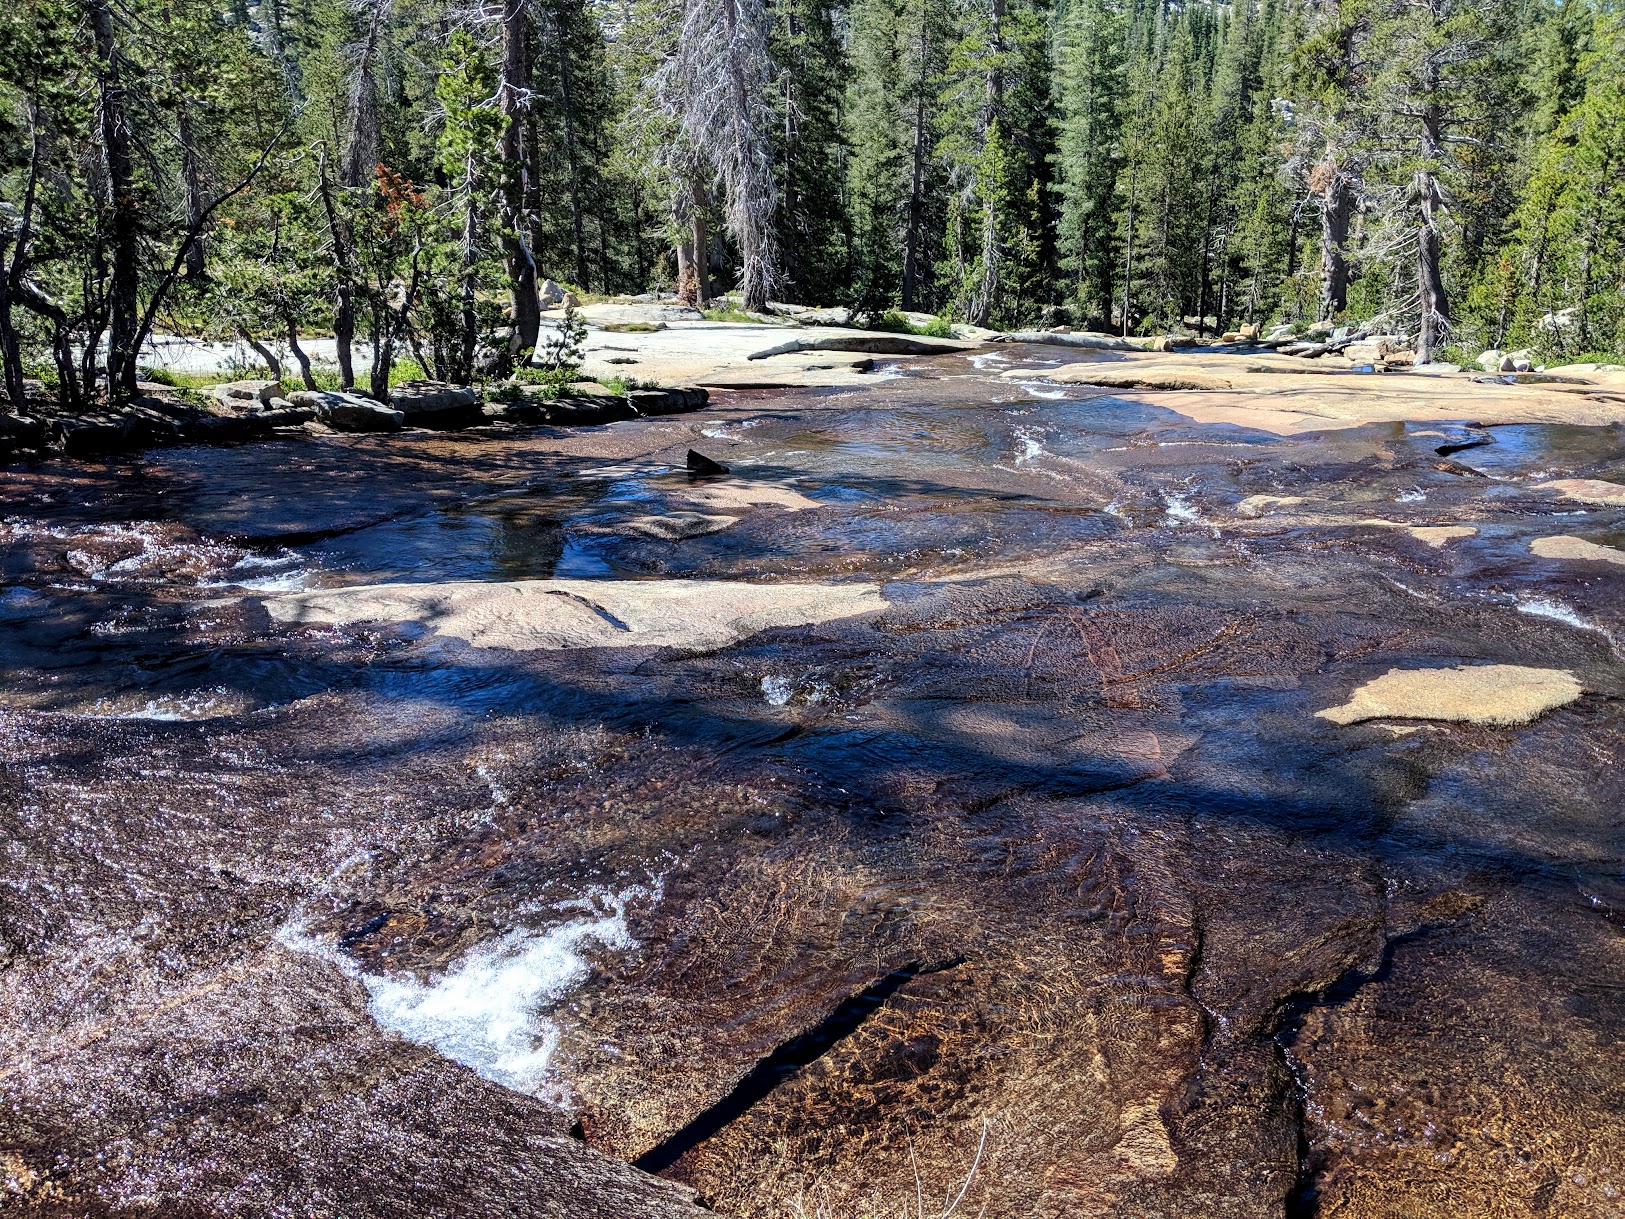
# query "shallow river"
(1031, 877)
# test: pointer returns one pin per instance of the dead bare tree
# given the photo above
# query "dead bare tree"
(361, 154)
(716, 86)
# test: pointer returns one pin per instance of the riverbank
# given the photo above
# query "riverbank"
(669, 359)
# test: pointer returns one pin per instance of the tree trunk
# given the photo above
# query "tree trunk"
(363, 152)
(344, 295)
(1128, 258)
(264, 353)
(1207, 259)
(512, 93)
(299, 355)
(13, 271)
(11, 358)
(123, 281)
(383, 358)
(1435, 305)
(572, 155)
(701, 243)
(470, 258)
(916, 186)
(192, 184)
(1335, 206)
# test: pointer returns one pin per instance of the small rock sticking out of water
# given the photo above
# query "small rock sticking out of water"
(701, 466)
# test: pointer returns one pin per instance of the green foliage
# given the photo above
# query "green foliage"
(731, 313)
(892, 321)
(1121, 164)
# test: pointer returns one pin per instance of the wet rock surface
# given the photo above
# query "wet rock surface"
(1042, 878)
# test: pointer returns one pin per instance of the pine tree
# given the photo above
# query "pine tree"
(996, 145)
(808, 155)
(1090, 88)
(1441, 80)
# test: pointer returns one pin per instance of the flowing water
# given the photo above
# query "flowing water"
(1046, 877)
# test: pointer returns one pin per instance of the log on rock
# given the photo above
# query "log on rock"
(1086, 339)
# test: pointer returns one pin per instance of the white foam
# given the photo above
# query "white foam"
(1039, 390)
(1549, 607)
(1414, 496)
(288, 582)
(490, 1012)
(1031, 447)
(1180, 510)
(196, 705)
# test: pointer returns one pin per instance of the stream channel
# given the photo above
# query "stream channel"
(936, 806)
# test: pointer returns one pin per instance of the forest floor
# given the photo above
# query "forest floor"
(1080, 801)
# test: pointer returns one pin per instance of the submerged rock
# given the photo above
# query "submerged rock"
(1587, 490)
(1471, 694)
(1565, 546)
(551, 614)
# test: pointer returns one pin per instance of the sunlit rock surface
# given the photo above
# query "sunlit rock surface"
(1470, 694)
(1038, 880)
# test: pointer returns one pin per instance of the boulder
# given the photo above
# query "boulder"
(435, 404)
(145, 426)
(667, 401)
(288, 415)
(1306, 349)
(1516, 361)
(82, 435)
(526, 412)
(228, 429)
(22, 431)
(348, 412)
(552, 295)
(586, 412)
(699, 464)
(244, 394)
(1489, 361)
(162, 405)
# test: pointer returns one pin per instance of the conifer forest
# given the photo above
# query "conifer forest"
(409, 171)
